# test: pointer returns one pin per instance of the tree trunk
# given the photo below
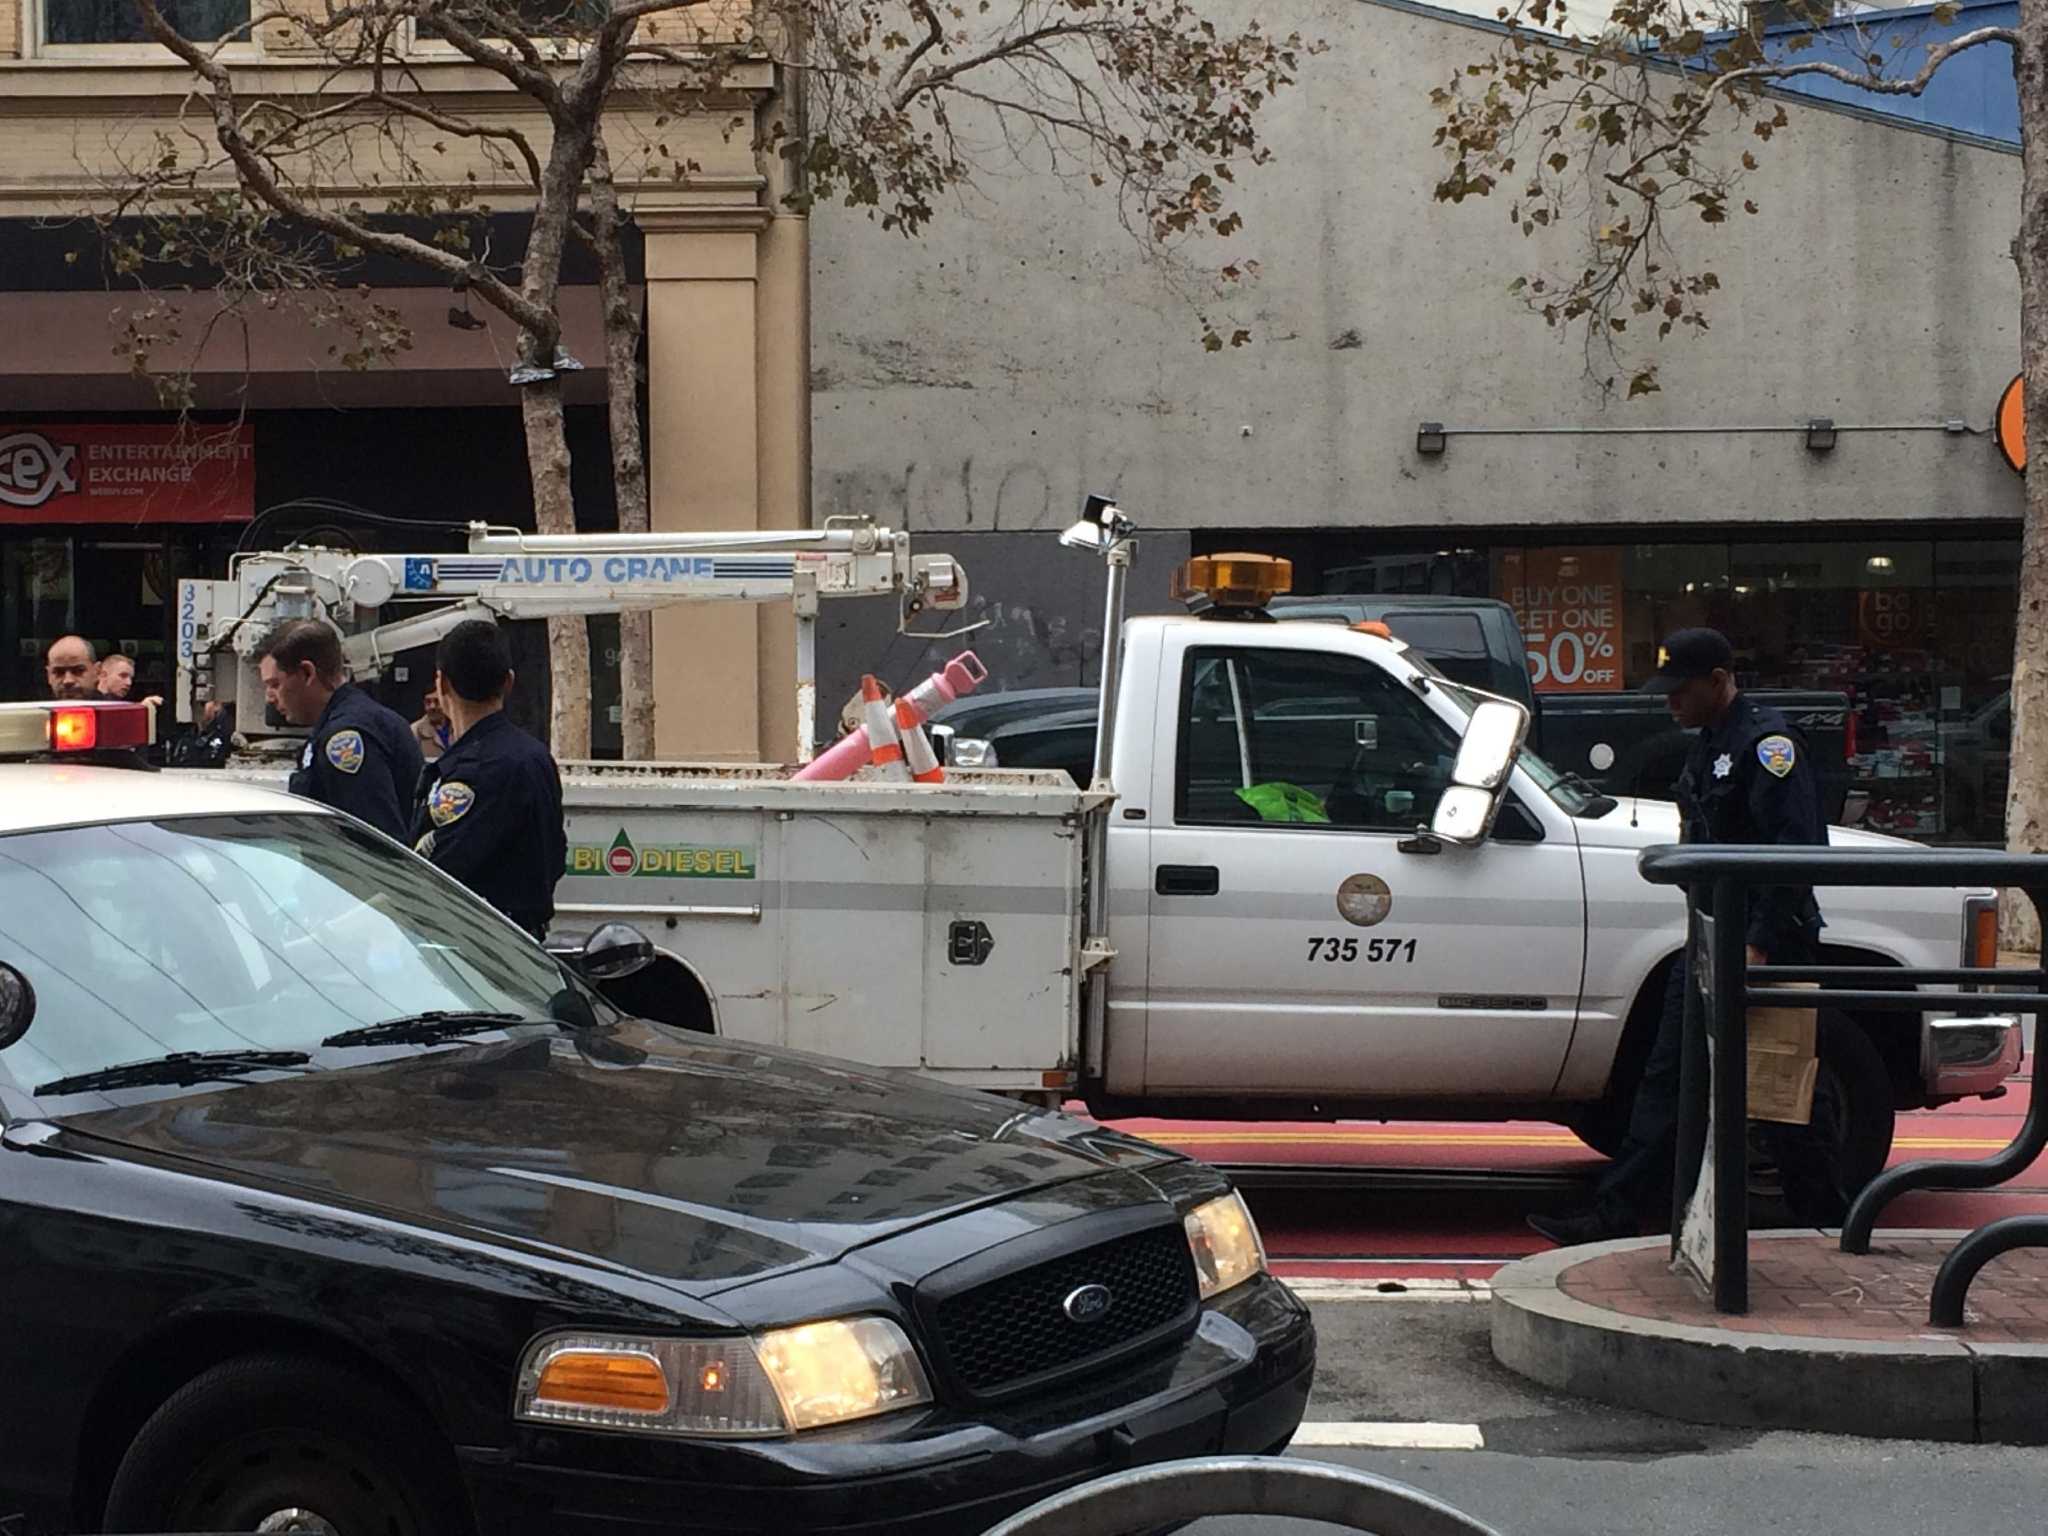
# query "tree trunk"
(2026, 806)
(629, 454)
(554, 511)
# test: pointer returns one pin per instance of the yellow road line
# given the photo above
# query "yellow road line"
(1431, 1139)
(1363, 1138)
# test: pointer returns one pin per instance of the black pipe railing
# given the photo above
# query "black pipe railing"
(1710, 1196)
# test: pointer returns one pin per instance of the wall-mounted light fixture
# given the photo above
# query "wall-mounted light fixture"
(1429, 439)
(1820, 434)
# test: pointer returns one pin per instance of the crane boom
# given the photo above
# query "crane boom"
(516, 575)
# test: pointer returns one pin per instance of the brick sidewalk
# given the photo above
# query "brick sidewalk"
(1806, 1287)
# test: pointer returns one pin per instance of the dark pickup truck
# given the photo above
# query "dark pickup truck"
(1621, 743)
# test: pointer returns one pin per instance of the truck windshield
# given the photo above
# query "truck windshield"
(246, 933)
(1573, 794)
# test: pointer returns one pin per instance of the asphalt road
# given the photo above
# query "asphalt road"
(1554, 1466)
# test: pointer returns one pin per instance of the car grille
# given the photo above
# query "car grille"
(1015, 1330)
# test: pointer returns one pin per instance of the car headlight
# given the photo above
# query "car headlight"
(1226, 1244)
(774, 1383)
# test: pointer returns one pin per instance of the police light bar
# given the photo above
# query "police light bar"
(64, 727)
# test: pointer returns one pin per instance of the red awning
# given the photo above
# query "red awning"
(67, 352)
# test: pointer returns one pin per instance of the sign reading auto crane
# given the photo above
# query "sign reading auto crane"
(127, 474)
(1568, 602)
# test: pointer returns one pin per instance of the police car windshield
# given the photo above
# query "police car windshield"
(1574, 796)
(245, 933)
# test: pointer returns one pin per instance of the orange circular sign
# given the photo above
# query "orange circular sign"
(2009, 424)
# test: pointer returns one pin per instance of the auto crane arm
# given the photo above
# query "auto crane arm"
(517, 575)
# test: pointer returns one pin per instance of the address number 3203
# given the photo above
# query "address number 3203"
(1372, 951)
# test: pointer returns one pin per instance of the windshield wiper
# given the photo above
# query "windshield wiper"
(178, 1068)
(424, 1028)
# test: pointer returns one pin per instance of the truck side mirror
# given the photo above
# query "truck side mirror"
(1486, 756)
(615, 951)
(17, 1005)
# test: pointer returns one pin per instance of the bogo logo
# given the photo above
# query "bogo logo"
(33, 469)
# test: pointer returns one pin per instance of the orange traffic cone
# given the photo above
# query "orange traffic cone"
(885, 747)
(917, 747)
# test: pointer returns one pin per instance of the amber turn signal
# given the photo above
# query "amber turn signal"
(1984, 935)
(619, 1382)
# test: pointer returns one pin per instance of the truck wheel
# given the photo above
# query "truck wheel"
(278, 1443)
(1821, 1167)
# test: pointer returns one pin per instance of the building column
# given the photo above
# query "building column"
(728, 433)
(783, 374)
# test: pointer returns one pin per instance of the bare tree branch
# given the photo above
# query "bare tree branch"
(261, 177)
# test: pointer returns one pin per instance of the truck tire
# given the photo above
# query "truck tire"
(1819, 1168)
(283, 1443)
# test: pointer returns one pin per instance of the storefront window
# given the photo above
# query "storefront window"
(1666, 587)
(1915, 632)
(1459, 572)
(118, 21)
(114, 590)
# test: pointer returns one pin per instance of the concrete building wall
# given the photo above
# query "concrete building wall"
(1020, 355)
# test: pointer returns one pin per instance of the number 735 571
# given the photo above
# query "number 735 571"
(1372, 951)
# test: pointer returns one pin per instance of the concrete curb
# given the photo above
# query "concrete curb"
(1929, 1388)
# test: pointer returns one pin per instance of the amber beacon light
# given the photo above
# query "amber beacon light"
(1234, 581)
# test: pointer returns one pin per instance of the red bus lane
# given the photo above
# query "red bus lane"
(1444, 1200)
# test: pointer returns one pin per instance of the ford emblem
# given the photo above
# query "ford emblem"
(1088, 1304)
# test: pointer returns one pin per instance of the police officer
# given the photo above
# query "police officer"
(1748, 779)
(490, 807)
(361, 757)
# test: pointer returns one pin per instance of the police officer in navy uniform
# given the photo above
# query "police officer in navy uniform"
(490, 807)
(1748, 779)
(361, 757)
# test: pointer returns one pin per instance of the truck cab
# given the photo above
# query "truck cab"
(1293, 941)
(1332, 947)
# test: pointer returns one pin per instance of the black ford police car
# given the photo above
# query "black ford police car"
(330, 1202)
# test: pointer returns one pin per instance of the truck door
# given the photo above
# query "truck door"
(1294, 948)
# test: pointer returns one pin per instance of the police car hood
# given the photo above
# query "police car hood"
(1637, 823)
(687, 1163)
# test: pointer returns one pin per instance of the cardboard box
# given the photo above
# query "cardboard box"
(1783, 1062)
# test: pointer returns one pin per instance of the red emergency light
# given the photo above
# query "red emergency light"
(34, 730)
(98, 727)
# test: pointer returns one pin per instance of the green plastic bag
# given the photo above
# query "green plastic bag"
(1280, 801)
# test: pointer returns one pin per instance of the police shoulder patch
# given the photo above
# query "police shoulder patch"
(450, 802)
(1776, 754)
(345, 751)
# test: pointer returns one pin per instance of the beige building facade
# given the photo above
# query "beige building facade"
(723, 276)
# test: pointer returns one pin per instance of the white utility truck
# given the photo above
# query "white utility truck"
(1314, 878)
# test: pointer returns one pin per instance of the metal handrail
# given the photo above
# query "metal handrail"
(1730, 873)
(1174, 1492)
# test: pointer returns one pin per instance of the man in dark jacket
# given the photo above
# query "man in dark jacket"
(490, 807)
(361, 757)
(1748, 779)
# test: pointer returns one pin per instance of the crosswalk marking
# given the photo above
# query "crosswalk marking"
(1390, 1436)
